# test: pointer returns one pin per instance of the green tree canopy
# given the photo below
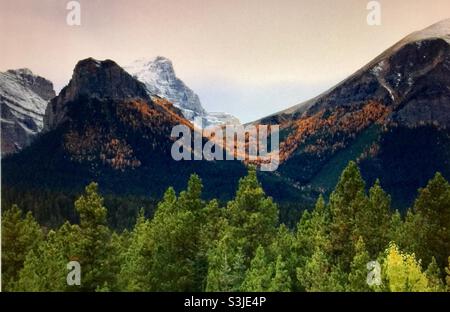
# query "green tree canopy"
(20, 235)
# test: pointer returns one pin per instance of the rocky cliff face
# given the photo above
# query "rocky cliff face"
(160, 79)
(95, 80)
(23, 99)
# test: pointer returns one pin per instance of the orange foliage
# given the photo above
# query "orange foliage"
(341, 120)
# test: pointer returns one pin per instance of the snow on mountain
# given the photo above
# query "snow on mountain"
(218, 118)
(159, 77)
(23, 99)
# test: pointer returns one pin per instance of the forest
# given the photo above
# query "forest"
(192, 244)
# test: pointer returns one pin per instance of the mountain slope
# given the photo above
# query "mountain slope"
(23, 99)
(393, 116)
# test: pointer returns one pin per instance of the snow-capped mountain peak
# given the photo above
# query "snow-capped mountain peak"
(160, 79)
(158, 75)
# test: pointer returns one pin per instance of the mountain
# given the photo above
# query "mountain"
(105, 127)
(160, 79)
(392, 116)
(23, 99)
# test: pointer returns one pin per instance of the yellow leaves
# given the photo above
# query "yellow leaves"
(403, 272)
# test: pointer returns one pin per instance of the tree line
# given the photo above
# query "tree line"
(195, 245)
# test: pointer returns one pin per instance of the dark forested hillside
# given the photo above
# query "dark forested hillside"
(193, 244)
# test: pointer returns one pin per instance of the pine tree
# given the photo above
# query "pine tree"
(284, 246)
(19, 237)
(319, 274)
(176, 262)
(281, 282)
(403, 272)
(316, 270)
(430, 228)
(133, 274)
(214, 224)
(252, 215)
(226, 268)
(190, 200)
(320, 222)
(372, 221)
(347, 200)
(45, 268)
(259, 275)
(313, 231)
(397, 229)
(357, 279)
(304, 244)
(92, 240)
(433, 273)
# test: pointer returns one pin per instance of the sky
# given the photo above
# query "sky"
(250, 58)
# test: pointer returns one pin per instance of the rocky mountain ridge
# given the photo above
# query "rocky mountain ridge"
(23, 99)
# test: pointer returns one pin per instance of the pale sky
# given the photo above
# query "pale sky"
(246, 57)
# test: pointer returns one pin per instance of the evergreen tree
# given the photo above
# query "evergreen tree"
(320, 222)
(226, 268)
(133, 274)
(433, 273)
(252, 215)
(176, 263)
(19, 237)
(304, 244)
(357, 279)
(212, 223)
(314, 250)
(281, 282)
(259, 275)
(313, 231)
(397, 229)
(284, 246)
(45, 269)
(93, 244)
(319, 274)
(372, 221)
(429, 229)
(346, 202)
